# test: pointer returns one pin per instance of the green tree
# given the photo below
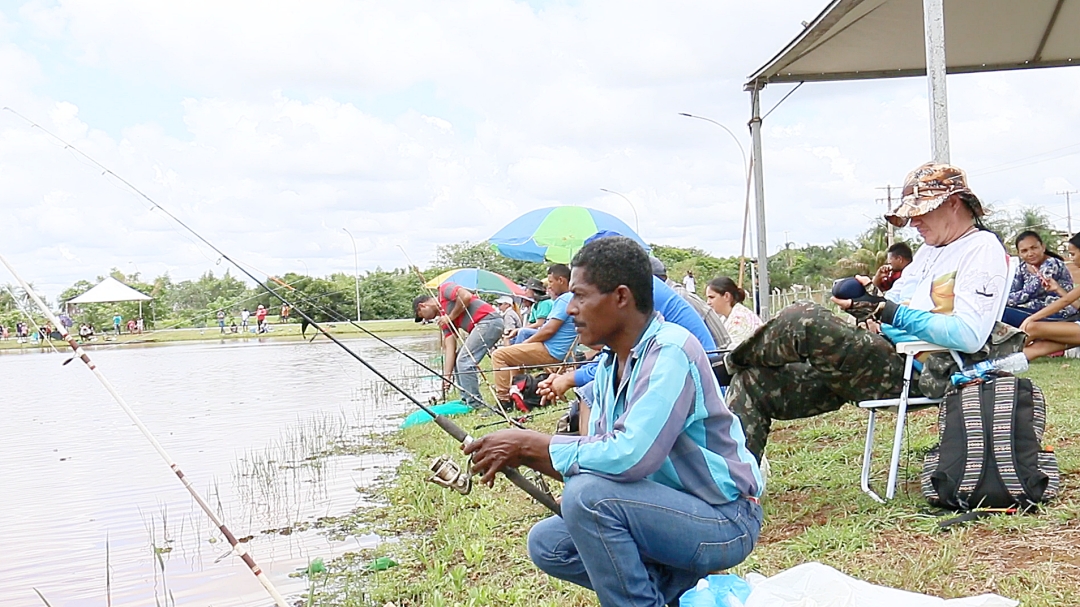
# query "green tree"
(484, 256)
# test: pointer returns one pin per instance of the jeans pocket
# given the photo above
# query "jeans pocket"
(714, 556)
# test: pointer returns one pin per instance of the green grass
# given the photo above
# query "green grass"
(290, 331)
(470, 550)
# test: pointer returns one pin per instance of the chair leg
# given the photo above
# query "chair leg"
(868, 451)
(898, 436)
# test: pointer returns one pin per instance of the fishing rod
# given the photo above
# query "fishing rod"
(457, 331)
(237, 547)
(331, 312)
(442, 421)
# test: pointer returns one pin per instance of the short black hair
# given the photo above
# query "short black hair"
(560, 269)
(416, 306)
(618, 260)
(901, 249)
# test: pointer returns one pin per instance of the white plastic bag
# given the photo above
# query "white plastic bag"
(817, 585)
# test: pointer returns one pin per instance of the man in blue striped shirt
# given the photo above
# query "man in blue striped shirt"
(662, 490)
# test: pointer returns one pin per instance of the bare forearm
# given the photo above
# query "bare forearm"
(449, 355)
(545, 332)
(535, 455)
(1058, 305)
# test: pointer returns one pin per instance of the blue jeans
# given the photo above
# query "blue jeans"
(640, 543)
(1014, 317)
(522, 335)
(484, 336)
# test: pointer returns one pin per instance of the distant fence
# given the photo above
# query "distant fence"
(821, 295)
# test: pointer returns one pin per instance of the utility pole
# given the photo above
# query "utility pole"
(1068, 207)
(888, 201)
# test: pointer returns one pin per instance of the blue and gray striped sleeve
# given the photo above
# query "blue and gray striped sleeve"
(641, 438)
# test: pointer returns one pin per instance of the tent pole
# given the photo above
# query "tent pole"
(759, 196)
(934, 23)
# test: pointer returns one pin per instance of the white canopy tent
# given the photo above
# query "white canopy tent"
(111, 290)
(867, 39)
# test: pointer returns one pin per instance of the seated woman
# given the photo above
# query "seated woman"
(725, 298)
(1041, 281)
(1074, 257)
(1049, 337)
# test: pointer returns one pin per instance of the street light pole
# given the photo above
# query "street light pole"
(356, 275)
(746, 210)
(637, 227)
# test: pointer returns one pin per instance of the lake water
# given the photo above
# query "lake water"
(82, 488)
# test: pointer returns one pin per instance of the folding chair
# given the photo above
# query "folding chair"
(909, 350)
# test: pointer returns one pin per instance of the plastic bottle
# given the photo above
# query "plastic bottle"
(1013, 363)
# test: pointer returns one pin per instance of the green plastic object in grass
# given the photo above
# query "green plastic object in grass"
(382, 563)
(316, 566)
(454, 407)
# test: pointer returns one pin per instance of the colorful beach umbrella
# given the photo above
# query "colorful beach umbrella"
(475, 279)
(555, 233)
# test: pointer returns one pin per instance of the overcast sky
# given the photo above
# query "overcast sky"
(270, 126)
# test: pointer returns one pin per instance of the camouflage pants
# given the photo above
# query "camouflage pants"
(805, 362)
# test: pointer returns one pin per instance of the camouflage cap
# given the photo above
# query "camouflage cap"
(926, 188)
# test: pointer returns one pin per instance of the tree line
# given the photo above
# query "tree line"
(386, 294)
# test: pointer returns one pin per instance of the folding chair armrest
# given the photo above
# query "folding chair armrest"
(916, 347)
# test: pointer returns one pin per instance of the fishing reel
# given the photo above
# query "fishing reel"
(446, 473)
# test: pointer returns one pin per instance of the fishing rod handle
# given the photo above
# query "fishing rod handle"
(528, 487)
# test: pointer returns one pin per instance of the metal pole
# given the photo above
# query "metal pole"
(747, 171)
(356, 265)
(759, 196)
(637, 228)
(934, 23)
(1068, 207)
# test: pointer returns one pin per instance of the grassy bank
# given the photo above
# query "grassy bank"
(470, 550)
(383, 328)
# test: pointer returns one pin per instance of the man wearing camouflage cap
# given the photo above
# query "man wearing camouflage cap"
(808, 361)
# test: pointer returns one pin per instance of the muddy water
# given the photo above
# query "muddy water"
(88, 510)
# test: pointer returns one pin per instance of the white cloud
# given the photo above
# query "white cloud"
(420, 123)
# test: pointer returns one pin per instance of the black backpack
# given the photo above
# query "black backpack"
(990, 453)
(523, 396)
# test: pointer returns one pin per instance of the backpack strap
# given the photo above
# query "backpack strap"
(1039, 413)
(971, 409)
(1005, 394)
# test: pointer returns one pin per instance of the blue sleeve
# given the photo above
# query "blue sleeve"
(1016, 290)
(940, 329)
(1062, 275)
(558, 309)
(674, 309)
(585, 374)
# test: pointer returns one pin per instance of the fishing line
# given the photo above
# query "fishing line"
(443, 422)
(45, 337)
(239, 549)
(459, 335)
(339, 318)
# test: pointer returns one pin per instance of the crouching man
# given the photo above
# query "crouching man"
(662, 490)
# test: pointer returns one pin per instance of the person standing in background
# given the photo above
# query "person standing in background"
(688, 282)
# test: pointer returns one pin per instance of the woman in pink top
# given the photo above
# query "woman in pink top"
(725, 298)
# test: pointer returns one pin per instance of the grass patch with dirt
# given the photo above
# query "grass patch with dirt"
(470, 550)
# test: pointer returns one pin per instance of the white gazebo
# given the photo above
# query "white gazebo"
(866, 39)
(111, 290)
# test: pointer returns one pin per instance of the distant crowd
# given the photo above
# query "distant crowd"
(260, 315)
